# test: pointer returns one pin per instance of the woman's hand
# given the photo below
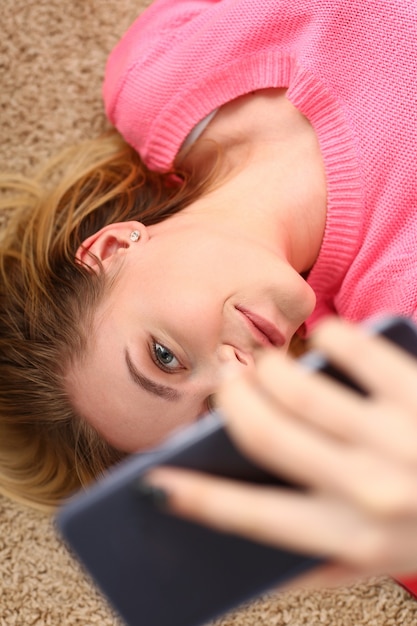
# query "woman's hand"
(356, 455)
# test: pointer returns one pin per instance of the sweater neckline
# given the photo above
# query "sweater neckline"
(345, 190)
(345, 195)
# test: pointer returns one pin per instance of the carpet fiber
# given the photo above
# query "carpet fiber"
(52, 55)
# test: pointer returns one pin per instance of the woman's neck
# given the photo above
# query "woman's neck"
(271, 175)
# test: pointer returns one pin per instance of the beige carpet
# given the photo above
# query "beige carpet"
(52, 54)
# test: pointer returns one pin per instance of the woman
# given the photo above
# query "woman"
(314, 110)
(294, 135)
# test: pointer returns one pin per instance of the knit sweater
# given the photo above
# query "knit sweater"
(350, 66)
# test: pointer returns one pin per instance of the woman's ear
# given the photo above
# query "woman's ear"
(110, 243)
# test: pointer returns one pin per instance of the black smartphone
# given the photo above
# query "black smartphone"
(159, 570)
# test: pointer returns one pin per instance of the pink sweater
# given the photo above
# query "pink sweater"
(350, 66)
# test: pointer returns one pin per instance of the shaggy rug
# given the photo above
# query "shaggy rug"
(52, 56)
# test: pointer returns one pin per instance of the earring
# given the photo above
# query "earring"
(135, 235)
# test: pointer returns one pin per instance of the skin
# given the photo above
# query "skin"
(183, 284)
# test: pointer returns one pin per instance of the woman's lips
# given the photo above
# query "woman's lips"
(266, 332)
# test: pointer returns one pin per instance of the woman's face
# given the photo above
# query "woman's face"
(186, 300)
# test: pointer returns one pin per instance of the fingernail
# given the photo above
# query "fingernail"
(155, 495)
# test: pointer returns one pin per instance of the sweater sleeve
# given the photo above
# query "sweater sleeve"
(149, 44)
(182, 59)
(152, 34)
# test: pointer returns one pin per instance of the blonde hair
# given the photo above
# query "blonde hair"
(47, 300)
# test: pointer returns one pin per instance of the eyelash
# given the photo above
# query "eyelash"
(158, 363)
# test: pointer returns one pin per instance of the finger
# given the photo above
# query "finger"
(375, 362)
(273, 439)
(338, 410)
(269, 516)
(313, 524)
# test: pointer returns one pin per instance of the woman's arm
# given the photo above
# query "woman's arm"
(357, 457)
(159, 55)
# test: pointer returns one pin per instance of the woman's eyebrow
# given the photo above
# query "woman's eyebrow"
(162, 391)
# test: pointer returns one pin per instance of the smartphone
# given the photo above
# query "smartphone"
(159, 570)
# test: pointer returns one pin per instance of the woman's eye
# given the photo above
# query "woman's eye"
(164, 358)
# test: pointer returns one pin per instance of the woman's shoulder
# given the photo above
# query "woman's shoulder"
(181, 60)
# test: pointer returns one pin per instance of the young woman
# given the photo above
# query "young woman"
(281, 139)
(313, 107)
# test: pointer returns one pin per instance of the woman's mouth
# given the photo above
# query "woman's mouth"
(264, 331)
